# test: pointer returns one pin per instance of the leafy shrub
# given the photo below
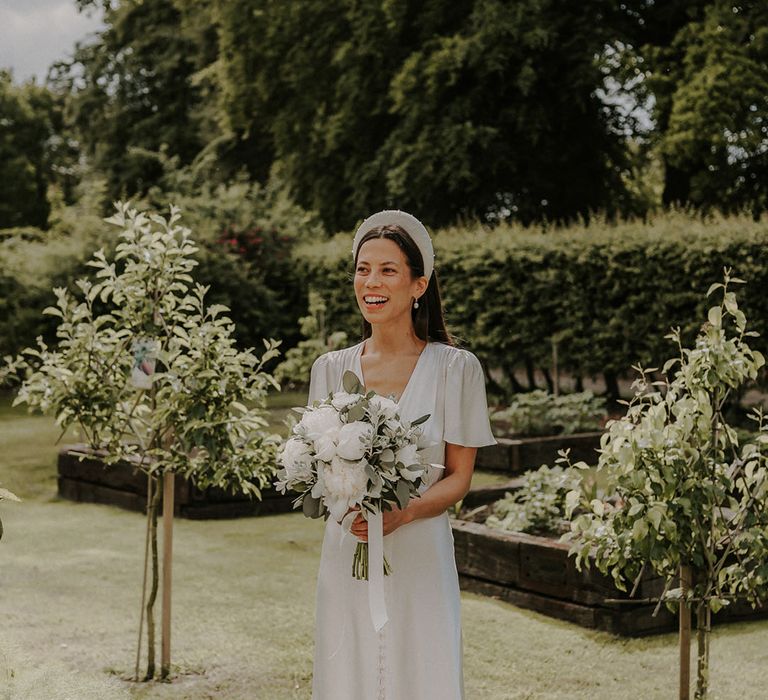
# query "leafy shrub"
(601, 291)
(298, 361)
(538, 506)
(541, 413)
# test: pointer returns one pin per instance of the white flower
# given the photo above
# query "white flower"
(296, 458)
(320, 420)
(325, 445)
(342, 399)
(343, 485)
(383, 406)
(354, 438)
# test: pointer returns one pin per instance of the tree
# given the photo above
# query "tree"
(131, 93)
(448, 108)
(704, 65)
(689, 496)
(25, 131)
(151, 375)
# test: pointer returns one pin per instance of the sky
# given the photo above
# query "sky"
(36, 33)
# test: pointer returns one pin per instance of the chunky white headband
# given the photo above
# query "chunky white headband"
(408, 222)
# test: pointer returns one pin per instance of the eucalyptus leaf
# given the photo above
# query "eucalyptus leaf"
(351, 383)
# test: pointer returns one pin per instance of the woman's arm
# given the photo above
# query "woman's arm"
(459, 465)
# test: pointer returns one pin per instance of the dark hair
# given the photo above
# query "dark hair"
(428, 321)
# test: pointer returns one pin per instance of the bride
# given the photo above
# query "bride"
(406, 354)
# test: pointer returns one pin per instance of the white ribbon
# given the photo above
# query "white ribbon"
(376, 603)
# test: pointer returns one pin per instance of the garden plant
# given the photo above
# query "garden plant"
(152, 376)
(540, 413)
(538, 506)
(690, 498)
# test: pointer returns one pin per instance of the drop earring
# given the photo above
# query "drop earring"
(415, 303)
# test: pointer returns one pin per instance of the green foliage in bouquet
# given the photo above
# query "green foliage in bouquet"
(538, 506)
(298, 361)
(5, 494)
(541, 413)
(152, 375)
(691, 497)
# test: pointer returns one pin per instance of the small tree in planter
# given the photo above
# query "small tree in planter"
(152, 376)
(691, 500)
(9, 496)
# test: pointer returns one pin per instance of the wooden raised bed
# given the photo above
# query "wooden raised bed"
(536, 573)
(513, 456)
(124, 485)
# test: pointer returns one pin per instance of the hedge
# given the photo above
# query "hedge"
(606, 293)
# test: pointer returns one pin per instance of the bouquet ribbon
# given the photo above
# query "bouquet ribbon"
(376, 603)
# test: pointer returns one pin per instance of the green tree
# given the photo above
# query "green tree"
(447, 108)
(151, 375)
(703, 64)
(131, 93)
(689, 498)
(26, 127)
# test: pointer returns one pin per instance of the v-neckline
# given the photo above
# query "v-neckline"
(415, 369)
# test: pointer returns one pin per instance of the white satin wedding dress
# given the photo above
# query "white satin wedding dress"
(417, 655)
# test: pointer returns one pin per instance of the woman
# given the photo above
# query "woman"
(406, 354)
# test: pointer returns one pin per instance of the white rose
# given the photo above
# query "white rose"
(344, 485)
(325, 445)
(317, 421)
(342, 399)
(296, 458)
(383, 406)
(354, 438)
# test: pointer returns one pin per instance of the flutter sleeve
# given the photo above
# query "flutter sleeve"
(320, 379)
(466, 406)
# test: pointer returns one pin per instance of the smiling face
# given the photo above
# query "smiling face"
(384, 283)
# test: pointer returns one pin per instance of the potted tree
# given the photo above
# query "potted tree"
(691, 495)
(152, 377)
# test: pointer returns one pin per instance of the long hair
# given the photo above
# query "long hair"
(428, 320)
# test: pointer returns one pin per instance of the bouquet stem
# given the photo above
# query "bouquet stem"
(360, 563)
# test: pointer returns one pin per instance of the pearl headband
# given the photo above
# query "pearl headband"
(410, 224)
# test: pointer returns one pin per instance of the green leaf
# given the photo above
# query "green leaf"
(351, 384)
(715, 316)
(420, 420)
(311, 507)
(403, 493)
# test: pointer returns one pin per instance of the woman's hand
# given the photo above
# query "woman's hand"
(393, 519)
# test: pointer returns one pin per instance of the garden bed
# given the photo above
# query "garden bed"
(515, 455)
(536, 573)
(82, 476)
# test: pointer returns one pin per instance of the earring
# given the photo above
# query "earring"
(415, 303)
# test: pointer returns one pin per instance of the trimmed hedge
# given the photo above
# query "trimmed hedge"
(606, 293)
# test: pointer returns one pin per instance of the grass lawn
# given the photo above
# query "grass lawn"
(243, 610)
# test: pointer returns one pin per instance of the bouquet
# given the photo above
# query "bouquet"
(352, 451)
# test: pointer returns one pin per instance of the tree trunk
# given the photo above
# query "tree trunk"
(168, 493)
(703, 636)
(685, 633)
(548, 379)
(530, 373)
(612, 386)
(155, 580)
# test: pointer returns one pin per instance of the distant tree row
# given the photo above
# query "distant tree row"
(527, 109)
